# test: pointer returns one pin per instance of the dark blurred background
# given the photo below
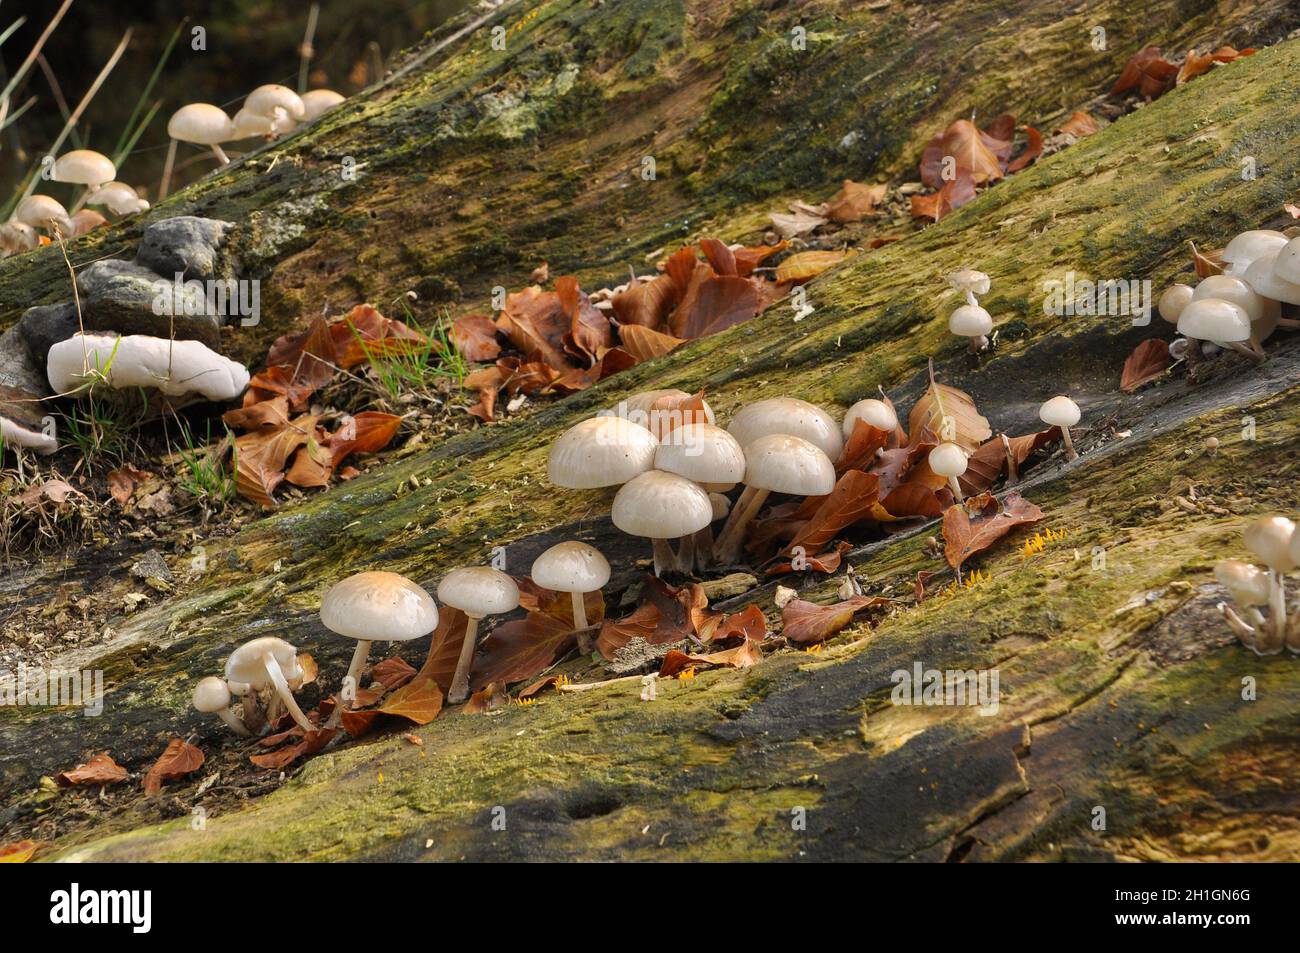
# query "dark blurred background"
(248, 43)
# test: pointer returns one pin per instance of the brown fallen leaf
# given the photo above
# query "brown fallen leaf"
(749, 624)
(1148, 361)
(806, 622)
(966, 535)
(851, 501)
(418, 702)
(19, 852)
(312, 742)
(808, 264)
(1148, 72)
(855, 201)
(742, 656)
(644, 343)
(489, 698)
(260, 458)
(100, 769)
(122, 483)
(180, 759)
(1079, 124)
(392, 673)
(941, 403)
(475, 337)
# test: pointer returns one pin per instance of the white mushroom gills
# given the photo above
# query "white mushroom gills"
(478, 591)
(573, 567)
(1061, 412)
(212, 697)
(272, 663)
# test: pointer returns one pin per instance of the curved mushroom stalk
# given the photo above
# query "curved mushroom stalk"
(233, 723)
(702, 545)
(459, 690)
(276, 675)
(579, 610)
(727, 549)
(359, 658)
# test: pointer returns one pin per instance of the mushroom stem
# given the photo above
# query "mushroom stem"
(359, 658)
(1013, 473)
(233, 723)
(460, 681)
(1276, 610)
(282, 690)
(1252, 351)
(165, 186)
(686, 555)
(1070, 452)
(1244, 631)
(579, 610)
(978, 344)
(733, 517)
(1288, 323)
(956, 489)
(220, 154)
(703, 544)
(665, 558)
(729, 544)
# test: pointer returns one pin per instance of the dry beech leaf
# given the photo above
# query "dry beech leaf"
(742, 656)
(122, 483)
(804, 265)
(100, 769)
(940, 401)
(418, 702)
(475, 337)
(539, 686)
(749, 624)
(261, 456)
(1147, 72)
(312, 742)
(806, 622)
(989, 462)
(1148, 361)
(180, 759)
(855, 201)
(747, 258)
(645, 343)
(392, 673)
(851, 500)
(1079, 125)
(489, 698)
(520, 649)
(18, 853)
(966, 535)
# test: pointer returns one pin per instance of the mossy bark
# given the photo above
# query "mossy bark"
(1121, 688)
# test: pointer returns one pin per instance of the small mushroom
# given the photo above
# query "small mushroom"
(1172, 302)
(41, 211)
(119, 198)
(949, 460)
(1287, 264)
(661, 507)
(973, 322)
(376, 606)
(269, 663)
(1220, 322)
(875, 412)
(478, 591)
(791, 416)
(83, 167)
(317, 102)
(202, 124)
(706, 455)
(1263, 312)
(275, 102)
(1271, 540)
(970, 282)
(1246, 247)
(212, 697)
(600, 451)
(777, 463)
(249, 125)
(575, 568)
(1249, 588)
(1263, 276)
(1061, 412)
(176, 368)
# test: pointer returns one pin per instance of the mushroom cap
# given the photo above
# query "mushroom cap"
(84, 167)
(786, 464)
(118, 197)
(1227, 288)
(600, 451)
(1287, 265)
(247, 124)
(1270, 539)
(211, 694)
(479, 591)
(1213, 319)
(721, 506)
(14, 434)
(200, 123)
(378, 606)
(1247, 583)
(661, 505)
(245, 663)
(571, 566)
(1060, 411)
(1262, 275)
(315, 102)
(175, 368)
(1172, 302)
(968, 279)
(703, 453)
(875, 412)
(265, 100)
(1248, 246)
(787, 415)
(41, 211)
(948, 460)
(639, 409)
(718, 487)
(970, 321)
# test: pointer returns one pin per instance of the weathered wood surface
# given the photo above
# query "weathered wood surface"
(1120, 688)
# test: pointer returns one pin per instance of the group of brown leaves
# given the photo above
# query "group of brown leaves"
(281, 440)
(563, 343)
(962, 157)
(1151, 75)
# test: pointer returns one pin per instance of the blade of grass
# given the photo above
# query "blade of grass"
(57, 90)
(35, 52)
(130, 133)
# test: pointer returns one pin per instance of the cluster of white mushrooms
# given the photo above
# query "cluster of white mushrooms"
(378, 606)
(270, 111)
(41, 213)
(1242, 307)
(1274, 541)
(673, 468)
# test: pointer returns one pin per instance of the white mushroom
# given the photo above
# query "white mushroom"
(1172, 302)
(1061, 412)
(600, 451)
(41, 211)
(271, 663)
(317, 102)
(949, 461)
(212, 697)
(973, 322)
(478, 591)
(788, 415)
(1218, 321)
(376, 607)
(661, 507)
(575, 568)
(176, 368)
(1246, 247)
